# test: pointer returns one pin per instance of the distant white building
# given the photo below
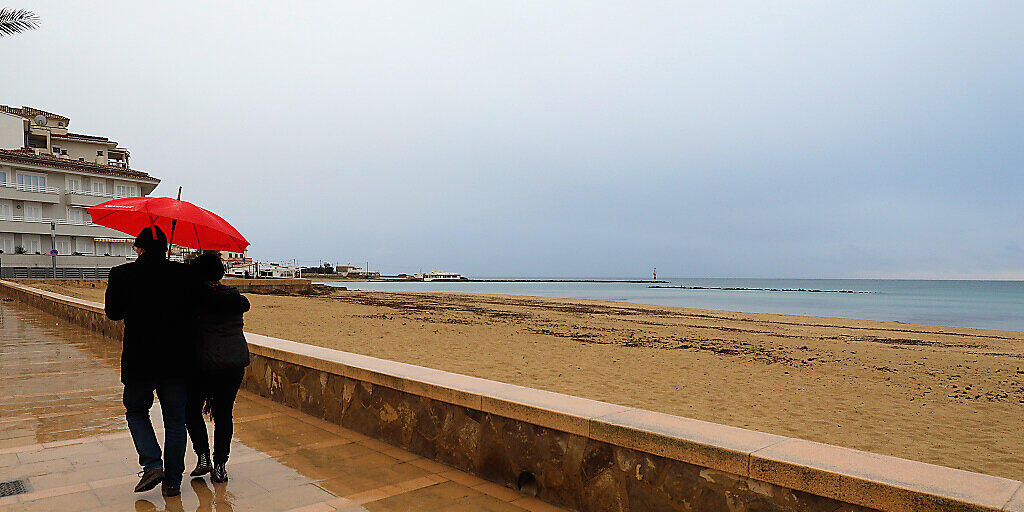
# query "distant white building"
(437, 275)
(264, 270)
(354, 271)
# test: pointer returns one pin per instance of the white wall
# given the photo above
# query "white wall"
(12, 131)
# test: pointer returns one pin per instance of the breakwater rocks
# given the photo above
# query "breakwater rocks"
(731, 288)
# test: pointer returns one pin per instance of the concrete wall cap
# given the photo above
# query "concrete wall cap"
(1016, 503)
(703, 443)
(85, 304)
(878, 481)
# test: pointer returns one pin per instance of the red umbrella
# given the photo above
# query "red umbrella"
(188, 224)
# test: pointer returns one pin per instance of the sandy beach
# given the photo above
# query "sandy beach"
(942, 395)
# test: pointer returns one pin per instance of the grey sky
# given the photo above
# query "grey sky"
(774, 139)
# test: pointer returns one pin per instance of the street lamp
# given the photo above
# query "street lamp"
(53, 247)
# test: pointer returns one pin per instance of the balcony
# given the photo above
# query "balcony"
(29, 193)
(20, 224)
(86, 197)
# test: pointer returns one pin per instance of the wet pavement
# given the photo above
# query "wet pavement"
(63, 433)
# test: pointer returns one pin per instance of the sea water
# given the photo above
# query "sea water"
(982, 304)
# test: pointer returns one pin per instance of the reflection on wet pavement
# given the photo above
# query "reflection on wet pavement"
(62, 431)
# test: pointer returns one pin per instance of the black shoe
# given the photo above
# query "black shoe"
(149, 479)
(170, 491)
(219, 474)
(203, 466)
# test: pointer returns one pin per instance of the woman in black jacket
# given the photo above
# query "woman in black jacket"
(222, 355)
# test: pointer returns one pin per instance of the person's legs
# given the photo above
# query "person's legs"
(172, 404)
(138, 398)
(227, 384)
(194, 418)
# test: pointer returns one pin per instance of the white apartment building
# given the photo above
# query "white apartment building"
(49, 175)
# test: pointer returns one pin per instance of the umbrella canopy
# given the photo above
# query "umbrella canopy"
(191, 225)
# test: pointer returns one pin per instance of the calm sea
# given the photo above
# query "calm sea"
(983, 304)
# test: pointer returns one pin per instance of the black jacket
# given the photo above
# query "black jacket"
(156, 299)
(222, 344)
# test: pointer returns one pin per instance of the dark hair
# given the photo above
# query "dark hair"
(208, 266)
(147, 241)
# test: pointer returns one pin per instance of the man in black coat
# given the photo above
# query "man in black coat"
(156, 299)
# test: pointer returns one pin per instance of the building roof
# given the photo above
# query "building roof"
(85, 138)
(70, 135)
(30, 112)
(29, 157)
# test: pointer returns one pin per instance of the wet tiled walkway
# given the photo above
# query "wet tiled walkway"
(62, 431)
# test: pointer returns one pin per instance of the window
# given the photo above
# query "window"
(98, 186)
(3, 178)
(120, 249)
(84, 245)
(56, 150)
(77, 215)
(37, 141)
(31, 244)
(125, 190)
(74, 184)
(99, 153)
(6, 209)
(33, 211)
(7, 243)
(63, 245)
(32, 182)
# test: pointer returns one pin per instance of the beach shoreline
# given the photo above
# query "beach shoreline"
(944, 395)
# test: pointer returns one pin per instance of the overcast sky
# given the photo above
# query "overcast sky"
(723, 139)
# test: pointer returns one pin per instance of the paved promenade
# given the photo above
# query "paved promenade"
(63, 434)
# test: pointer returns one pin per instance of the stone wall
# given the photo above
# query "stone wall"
(82, 312)
(260, 286)
(579, 453)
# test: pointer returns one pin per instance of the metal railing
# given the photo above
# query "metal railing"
(47, 272)
(91, 193)
(44, 220)
(31, 188)
(57, 190)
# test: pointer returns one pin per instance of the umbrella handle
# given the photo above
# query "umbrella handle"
(174, 223)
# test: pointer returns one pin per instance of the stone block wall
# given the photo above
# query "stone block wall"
(568, 470)
(82, 312)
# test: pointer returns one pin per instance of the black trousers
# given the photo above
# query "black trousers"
(220, 388)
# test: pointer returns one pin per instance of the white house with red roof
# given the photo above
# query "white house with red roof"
(49, 176)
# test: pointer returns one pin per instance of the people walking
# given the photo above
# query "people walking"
(154, 297)
(223, 355)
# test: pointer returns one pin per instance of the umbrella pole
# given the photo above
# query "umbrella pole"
(174, 224)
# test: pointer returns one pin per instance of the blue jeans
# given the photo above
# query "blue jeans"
(138, 399)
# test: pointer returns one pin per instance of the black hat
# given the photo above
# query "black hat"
(147, 241)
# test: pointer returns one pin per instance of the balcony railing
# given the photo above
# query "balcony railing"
(31, 188)
(44, 220)
(92, 193)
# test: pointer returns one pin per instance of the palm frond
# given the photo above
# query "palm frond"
(13, 21)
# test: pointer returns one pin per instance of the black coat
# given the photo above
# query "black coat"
(222, 344)
(157, 300)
